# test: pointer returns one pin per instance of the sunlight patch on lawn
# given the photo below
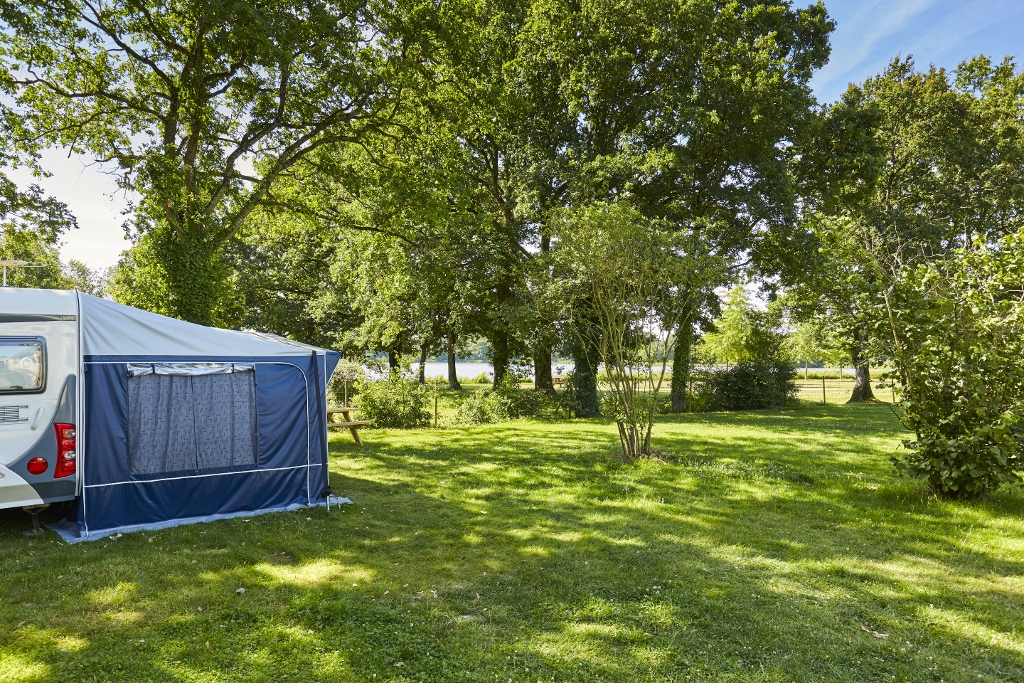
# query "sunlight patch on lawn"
(72, 643)
(14, 667)
(654, 657)
(535, 550)
(620, 541)
(929, 577)
(578, 642)
(117, 594)
(317, 572)
(660, 614)
(964, 628)
(126, 616)
(49, 639)
(542, 531)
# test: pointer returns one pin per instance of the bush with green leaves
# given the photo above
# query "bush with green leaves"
(954, 331)
(580, 397)
(750, 385)
(396, 402)
(507, 401)
(764, 377)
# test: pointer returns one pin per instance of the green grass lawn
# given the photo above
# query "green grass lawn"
(774, 546)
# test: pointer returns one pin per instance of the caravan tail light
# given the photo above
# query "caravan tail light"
(37, 466)
(65, 450)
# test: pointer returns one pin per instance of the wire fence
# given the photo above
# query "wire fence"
(834, 391)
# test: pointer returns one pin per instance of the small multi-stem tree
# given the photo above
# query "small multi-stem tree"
(633, 277)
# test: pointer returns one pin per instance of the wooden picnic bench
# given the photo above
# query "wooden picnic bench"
(348, 423)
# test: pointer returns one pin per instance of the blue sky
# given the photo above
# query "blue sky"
(868, 35)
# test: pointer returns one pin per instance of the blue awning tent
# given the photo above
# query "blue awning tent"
(184, 423)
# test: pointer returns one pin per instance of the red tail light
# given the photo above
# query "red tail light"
(65, 450)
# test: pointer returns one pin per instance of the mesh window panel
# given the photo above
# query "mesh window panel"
(161, 427)
(225, 410)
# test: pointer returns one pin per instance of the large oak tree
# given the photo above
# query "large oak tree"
(198, 106)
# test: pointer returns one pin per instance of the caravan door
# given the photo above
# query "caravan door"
(38, 396)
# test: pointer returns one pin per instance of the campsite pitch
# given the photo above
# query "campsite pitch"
(773, 546)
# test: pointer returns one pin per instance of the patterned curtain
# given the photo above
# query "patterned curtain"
(179, 423)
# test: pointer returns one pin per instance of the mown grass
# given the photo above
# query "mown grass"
(771, 546)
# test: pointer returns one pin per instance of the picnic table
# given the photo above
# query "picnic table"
(347, 423)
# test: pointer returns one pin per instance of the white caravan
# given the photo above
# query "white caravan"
(40, 398)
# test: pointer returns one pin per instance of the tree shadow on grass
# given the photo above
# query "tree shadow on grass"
(826, 536)
(525, 552)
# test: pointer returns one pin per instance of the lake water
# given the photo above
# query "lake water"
(466, 370)
(471, 370)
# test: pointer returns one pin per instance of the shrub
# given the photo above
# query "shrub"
(702, 399)
(475, 409)
(764, 377)
(749, 385)
(394, 402)
(506, 402)
(580, 398)
(510, 402)
(482, 378)
(956, 339)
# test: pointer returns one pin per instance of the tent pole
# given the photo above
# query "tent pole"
(322, 431)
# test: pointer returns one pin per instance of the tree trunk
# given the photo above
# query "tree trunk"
(584, 380)
(393, 361)
(499, 355)
(542, 368)
(194, 275)
(805, 370)
(862, 392)
(423, 363)
(542, 351)
(681, 366)
(453, 377)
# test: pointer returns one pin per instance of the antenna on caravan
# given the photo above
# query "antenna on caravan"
(17, 264)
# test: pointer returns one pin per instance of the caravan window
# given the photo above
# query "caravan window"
(22, 365)
(190, 417)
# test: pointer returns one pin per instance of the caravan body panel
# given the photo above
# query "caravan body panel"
(39, 367)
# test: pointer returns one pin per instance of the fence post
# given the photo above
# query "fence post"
(435, 409)
(824, 400)
(344, 383)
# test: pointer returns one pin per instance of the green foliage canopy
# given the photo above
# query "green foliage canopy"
(199, 106)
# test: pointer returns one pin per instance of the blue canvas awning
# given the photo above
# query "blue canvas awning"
(186, 423)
